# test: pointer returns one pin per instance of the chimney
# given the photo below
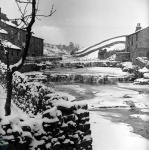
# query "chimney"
(0, 13)
(138, 27)
(0, 17)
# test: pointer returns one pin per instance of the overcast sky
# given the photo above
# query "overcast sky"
(85, 22)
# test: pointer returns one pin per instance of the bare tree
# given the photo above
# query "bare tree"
(26, 22)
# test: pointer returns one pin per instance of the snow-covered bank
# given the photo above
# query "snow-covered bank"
(111, 136)
(143, 117)
(2, 100)
(131, 86)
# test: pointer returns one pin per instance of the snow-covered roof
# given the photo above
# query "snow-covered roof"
(17, 26)
(10, 45)
(144, 70)
(137, 31)
(9, 23)
(3, 31)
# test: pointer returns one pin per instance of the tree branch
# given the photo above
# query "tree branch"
(17, 66)
(27, 20)
(23, 1)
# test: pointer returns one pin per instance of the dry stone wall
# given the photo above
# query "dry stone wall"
(58, 124)
(123, 56)
(90, 64)
(88, 78)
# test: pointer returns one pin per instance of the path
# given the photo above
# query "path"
(14, 109)
(2, 101)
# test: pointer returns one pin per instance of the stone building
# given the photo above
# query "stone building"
(14, 51)
(137, 43)
(17, 36)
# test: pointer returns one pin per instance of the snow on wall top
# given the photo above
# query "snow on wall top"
(10, 45)
(3, 31)
(9, 23)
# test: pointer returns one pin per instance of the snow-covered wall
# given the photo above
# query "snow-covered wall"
(90, 63)
(51, 121)
(59, 128)
(123, 56)
(138, 44)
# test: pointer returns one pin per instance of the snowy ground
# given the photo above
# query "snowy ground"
(112, 136)
(89, 71)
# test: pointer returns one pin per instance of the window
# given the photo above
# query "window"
(132, 41)
(12, 53)
(136, 36)
(17, 53)
(19, 36)
(12, 34)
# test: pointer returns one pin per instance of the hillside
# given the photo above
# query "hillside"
(110, 45)
(53, 50)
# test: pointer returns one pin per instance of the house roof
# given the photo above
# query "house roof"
(137, 31)
(15, 26)
(8, 23)
(3, 31)
(10, 45)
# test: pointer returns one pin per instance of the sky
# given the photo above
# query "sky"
(85, 22)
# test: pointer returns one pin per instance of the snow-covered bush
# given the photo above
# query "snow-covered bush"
(146, 75)
(37, 77)
(141, 81)
(29, 96)
(2, 74)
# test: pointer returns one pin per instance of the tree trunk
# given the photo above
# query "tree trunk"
(9, 93)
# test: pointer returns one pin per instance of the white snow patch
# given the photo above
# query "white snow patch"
(10, 45)
(143, 117)
(3, 31)
(144, 70)
(110, 136)
(146, 75)
(145, 110)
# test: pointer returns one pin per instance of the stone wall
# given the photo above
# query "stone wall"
(138, 44)
(17, 37)
(139, 52)
(90, 64)
(58, 128)
(14, 55)
(88, 79)
(101, 54)
(59, 125)
(42, 59)
(122, 56)
(142, 62)
(27, 67)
